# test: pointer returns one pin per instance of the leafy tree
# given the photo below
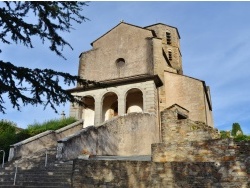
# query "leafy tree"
(7, 126)
(7, 136)
(236, 129)
(225, 134)
(37, 86)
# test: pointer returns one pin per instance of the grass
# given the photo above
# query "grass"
(53, 124)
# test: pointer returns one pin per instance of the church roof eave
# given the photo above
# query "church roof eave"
(165, 25)
(153, 34)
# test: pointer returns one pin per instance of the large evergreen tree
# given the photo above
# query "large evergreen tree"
(35, 86)
(236, 129)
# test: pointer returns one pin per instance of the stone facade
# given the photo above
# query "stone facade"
(190, 93)
(123, 41)
(130, 59)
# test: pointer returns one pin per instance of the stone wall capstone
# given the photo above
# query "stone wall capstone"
(42, 141)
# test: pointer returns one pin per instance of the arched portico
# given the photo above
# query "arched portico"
(119, 100)
(88, 113)
(134, 100)
(109, 106)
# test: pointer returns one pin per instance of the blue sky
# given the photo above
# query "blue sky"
(215, 46)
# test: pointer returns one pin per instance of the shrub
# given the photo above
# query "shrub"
(242, 138)
(22, 135)
(225, 134)
(54, 124)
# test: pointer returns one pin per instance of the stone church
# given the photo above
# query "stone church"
(141, 68)
(144, 98)
(146, 125)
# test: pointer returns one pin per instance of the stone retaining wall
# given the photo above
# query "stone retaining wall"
(126, 135)
(143, 174)
(222, 150)
(43, 140)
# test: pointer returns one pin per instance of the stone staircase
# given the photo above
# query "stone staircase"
(31, 172)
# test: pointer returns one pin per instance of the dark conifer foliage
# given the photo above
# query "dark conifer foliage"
(36, 86)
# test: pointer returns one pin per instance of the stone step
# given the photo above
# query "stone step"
(6, 178)
(52, 168)
(37, 172)
(9, 181)
(34, 183)
(39, 166)
(60, 186)
(32, 173)
(10, 186)
(36, 178)
(68, 186)
(46, 180)
(45, 172)
(38, 163)
(43, 169)
(6, 183)
(53, 183)
(43, 184)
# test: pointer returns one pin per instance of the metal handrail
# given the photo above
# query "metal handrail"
(16, 163)
(46, 157)
(15, 175)
(3, 157)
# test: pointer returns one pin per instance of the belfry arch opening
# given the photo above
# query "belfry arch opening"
(88, 112)
(110, 106)
(134, 101)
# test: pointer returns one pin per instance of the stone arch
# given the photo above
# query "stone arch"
(109, 105)
(88, 112)
(134, 100)
(125, 93)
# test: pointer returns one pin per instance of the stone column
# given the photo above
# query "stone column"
(121, 105)
(150, 98)
(98, 111)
